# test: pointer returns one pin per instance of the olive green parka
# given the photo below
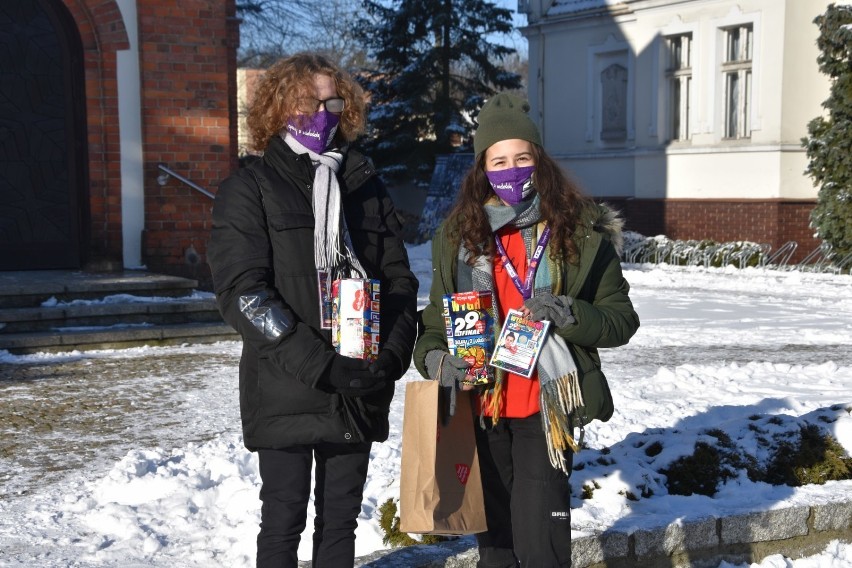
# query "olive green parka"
(602, 308)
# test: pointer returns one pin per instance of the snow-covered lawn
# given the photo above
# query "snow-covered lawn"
(737, 351)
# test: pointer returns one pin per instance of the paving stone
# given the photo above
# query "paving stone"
(592, 549)
(833, 517)
(766, 525)
(676, 538)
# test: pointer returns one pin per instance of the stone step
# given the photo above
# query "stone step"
(116, 337)
(32, 288)
(65, 310)
(114, 310)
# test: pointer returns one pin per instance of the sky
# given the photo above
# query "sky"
(143, 464)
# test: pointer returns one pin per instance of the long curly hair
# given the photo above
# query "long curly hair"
(287, 80)
(562, 202)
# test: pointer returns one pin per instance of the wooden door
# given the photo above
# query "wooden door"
(42, 137)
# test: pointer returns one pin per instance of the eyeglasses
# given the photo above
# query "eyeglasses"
(310, 105)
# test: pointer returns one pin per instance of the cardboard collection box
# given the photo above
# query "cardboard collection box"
(355, 317)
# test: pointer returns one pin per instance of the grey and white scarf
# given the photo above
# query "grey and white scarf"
(333, 249)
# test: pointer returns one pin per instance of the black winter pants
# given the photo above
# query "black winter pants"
(527, 500)
(341, 471)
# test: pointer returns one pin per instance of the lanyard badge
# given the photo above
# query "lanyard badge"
(526, 287)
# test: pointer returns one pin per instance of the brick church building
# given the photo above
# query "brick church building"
(117, 119)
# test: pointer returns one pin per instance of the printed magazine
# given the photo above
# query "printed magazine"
(519, 344)
(469, 322)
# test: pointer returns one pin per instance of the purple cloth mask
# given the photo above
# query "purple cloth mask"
(316, 131)
(512, 185)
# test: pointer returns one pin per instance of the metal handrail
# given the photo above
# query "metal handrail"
(164, 177)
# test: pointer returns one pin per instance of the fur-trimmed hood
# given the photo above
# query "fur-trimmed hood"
(604, 219)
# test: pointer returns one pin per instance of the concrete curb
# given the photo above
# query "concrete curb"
(795, 532)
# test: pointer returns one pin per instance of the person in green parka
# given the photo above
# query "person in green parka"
(522, 229)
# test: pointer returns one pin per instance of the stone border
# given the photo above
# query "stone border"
(795, 532)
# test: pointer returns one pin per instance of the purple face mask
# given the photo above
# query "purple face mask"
(316, 130)
(512, 185)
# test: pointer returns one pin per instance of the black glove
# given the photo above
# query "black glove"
(388, 365)
(352, 377)
(451, 371)
(546, 306)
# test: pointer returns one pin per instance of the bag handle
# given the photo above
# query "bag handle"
(446, 404)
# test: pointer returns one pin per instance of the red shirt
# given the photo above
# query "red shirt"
(520, 395)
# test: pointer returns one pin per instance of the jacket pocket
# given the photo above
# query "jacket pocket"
(291, 220)
(292, 236)
(282, 395)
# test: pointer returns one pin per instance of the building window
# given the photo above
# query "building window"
(736, 72)
(614, 103)
(679, 78)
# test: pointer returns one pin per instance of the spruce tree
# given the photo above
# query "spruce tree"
(435, 64)
(829, 146)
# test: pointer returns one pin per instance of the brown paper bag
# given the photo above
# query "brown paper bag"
(440, 487)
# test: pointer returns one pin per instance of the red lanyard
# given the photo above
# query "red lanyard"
(525, 288)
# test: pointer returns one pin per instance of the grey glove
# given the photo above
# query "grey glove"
(546, 306)
(450, 370)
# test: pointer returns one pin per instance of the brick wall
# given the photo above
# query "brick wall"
(188, 59)
(771, 221)
(188, 66)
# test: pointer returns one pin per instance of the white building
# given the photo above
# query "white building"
(686, 114)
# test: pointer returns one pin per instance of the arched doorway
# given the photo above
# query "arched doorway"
(43, 152)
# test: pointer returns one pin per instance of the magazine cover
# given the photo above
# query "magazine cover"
(519, 344)
(469, 322)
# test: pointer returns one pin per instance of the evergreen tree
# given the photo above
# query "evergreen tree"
(435, 66)
(829, 146)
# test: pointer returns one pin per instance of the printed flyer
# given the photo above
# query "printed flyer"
(469, 322)
(519, 344)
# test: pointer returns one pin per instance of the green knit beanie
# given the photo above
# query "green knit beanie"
(504, 117)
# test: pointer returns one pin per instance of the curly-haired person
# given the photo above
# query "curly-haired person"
(311, 209)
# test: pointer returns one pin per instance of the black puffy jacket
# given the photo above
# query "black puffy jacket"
(262, 245)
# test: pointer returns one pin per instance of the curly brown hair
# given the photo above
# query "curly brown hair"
(562, 202)
(285, 82)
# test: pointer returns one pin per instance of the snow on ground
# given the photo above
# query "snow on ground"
(726, 349)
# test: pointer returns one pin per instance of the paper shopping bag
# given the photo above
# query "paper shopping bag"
(440, 486)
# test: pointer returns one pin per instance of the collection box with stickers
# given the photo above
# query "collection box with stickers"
(469, 323)
(355, 317)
